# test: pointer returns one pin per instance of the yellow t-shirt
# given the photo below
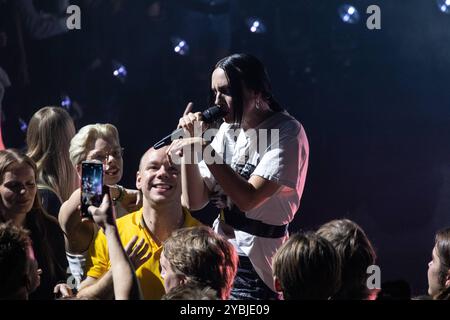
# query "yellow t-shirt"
(148, 275)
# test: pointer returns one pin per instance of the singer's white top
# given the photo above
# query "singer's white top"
(282, 156)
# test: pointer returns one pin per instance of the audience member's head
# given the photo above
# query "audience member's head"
(439, 267)
(356, 254)
(191, 290)
(20, 203)
(99, 142)
(48, 139)
(158, 179)
(201, 255)
(306, 267)
(19, 273)
(18, 189)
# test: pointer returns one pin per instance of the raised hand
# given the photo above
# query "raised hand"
(137, 252)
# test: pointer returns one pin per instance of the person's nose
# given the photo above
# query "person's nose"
(162, 172)
(109, 159)
(218, 98)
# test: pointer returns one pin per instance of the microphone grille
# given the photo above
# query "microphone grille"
(212, 114)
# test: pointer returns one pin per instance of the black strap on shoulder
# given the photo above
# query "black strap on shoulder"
(239, 221)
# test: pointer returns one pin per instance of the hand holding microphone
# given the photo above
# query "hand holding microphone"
(188, 122)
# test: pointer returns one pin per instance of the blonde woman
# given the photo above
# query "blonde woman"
(50, 131)
(94, 142)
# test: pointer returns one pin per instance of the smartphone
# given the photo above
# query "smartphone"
(91, 186)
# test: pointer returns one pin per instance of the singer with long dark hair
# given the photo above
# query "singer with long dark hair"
(258, 172)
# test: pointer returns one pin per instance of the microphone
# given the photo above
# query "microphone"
(208, 116)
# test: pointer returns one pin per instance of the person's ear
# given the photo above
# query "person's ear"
(182, 279)
(78, 169)
(138, 181)
(277, 284)
(447, 279)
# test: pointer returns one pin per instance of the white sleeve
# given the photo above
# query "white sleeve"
(282, 161)
(216, 144)
(207, 176)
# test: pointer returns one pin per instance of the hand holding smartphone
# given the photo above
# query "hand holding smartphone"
(91, 186)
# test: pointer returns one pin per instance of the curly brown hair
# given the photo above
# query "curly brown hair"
(203, 256)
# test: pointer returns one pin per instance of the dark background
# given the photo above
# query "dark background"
(374, 103)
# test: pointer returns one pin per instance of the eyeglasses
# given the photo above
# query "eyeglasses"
(116, 153)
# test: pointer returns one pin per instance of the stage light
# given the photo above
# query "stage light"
(119, 71)
(66, 102)
(180, 46)
(23, 125)
(348, 13)
(256, 25)
(444, 6)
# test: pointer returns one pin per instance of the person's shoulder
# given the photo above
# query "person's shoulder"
(286, 123)
(129, 222)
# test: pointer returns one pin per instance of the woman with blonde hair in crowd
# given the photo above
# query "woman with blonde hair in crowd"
(48, 139)
(19, 203)
(98, 142)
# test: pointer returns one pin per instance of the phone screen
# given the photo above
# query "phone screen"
(91, 185)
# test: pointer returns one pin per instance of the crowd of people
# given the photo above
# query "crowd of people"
(144, 243)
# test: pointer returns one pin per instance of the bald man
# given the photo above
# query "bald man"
(146, 230)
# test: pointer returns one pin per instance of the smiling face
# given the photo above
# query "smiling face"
(18, 189)
(109, 153)
(157, 178)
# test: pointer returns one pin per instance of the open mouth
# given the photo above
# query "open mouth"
(162, 186)
(112, 172)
